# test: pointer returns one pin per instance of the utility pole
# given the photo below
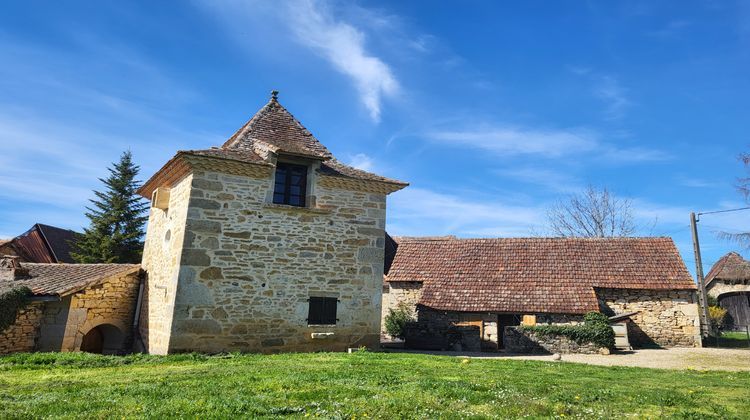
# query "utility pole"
(703, 299)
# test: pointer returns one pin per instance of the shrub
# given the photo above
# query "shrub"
(595, 329)
(11, 301)
(396, 320)
(717, 316)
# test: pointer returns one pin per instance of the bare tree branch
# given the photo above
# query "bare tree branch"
(595, 213)
(743, 186)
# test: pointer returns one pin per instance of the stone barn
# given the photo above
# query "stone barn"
(492, 284)
(74, 307)
(729, 282)
(267, 243)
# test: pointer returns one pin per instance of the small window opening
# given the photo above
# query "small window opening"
(290, 185)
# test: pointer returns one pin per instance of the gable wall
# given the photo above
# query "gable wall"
(161, 261)
(249, 267)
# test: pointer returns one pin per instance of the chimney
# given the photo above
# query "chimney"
(10, 268)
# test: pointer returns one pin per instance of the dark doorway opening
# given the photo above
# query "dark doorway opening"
(103, 339)
(505, 320)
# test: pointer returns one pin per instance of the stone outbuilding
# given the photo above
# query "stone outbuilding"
(492, 284)
(267, 243)
(74, 307)
(729, 282)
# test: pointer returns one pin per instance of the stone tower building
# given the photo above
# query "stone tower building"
(267, 243)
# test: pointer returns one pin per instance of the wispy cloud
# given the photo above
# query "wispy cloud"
(314, 25)
(361, 161)
(510, 141)
(505, 140)
(614, 95)
(419, 211)
(553, 180)
(343, 46)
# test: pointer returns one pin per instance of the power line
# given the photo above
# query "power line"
(723, 211)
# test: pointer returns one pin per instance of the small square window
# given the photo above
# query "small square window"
(290, 184)
(322, 311)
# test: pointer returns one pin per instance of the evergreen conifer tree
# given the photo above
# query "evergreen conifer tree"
(116, 219)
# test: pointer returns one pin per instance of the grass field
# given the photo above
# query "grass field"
(730, 339)
(360, 385)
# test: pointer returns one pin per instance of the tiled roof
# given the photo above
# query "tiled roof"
(335, 168)
(534, 275)
(729, 267)
(63, 279)
(276, 126)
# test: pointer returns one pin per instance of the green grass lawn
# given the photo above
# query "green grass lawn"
(337, 385)
(730, 339)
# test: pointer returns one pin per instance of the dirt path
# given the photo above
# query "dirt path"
(674, 358)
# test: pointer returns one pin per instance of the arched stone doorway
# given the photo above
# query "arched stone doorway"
(103, 339)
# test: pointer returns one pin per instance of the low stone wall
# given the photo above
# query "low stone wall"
(22, 335)
(667, 318)
(516, 340)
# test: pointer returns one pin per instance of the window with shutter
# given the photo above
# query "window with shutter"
(322, 311)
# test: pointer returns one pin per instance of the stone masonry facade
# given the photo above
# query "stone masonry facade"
(401, 294)
(666, 318)
(21, 336)
(241, 270)
(61, 325)
(161, 261)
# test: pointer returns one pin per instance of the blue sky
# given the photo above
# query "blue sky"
(491, 110)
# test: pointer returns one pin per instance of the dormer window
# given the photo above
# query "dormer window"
(290, 184)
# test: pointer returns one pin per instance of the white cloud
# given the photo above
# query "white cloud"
(361, 161)
(551, 179)
(422, 212)
(312, 24)
(507, 140)
(343, 46)
(503, 140)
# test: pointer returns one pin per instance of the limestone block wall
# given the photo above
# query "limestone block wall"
(22, 335)
(110, 302)
(666, 317)
(162, 251)
(248, 267)
(407, 293)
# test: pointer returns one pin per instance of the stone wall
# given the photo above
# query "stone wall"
(248, 267)
(161, 261)
(21, 336)
(665, 317)
(436, 323)
(407, 293)
(516, 340)
(110, 302)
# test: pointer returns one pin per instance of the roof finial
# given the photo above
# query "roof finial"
(274, 95)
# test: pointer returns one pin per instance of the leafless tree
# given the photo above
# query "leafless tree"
(594, 213)
(743, 186)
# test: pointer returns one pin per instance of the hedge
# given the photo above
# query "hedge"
(11, 301)
(595, 329)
